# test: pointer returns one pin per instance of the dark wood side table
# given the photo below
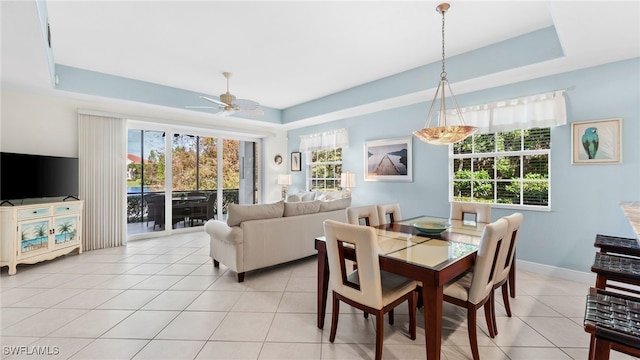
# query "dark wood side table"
(613, 320)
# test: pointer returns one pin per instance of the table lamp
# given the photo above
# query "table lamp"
(284, 180)
(348, 181)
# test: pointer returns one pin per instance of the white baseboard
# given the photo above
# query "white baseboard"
(566, 274)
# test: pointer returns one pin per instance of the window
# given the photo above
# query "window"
(324, 169)
(508, 168)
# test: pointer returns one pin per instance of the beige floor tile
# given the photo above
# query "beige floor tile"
(223, 350)
(172, 300)
(215, 301)
(294, 328)
(289, 351)
(92, 324)
(130, 299)
(170, 350)
(110, 349)
(298, 302)
(244, 327)
(258, 301)
(192, 325)
(88, 299)
(562, 332)
(141, 325)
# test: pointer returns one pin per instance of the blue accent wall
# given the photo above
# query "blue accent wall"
(585, 199)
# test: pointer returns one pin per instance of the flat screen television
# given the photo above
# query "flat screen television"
(27, 176)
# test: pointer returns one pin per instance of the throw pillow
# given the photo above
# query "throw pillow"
(301, 208)
(335, 204)
(307, 196)
(240, 213)
(293, 198)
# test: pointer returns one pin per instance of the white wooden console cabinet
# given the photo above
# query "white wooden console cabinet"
(39, 232)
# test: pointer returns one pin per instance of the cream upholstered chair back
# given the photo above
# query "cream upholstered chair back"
(481, 211)
(367, 214)
(508, 247)
(363, 285)
(389, 213)
(486, 260)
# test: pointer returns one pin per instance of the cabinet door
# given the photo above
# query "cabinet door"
(33, 237)
(65, 231)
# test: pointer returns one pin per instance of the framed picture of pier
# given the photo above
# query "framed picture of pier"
(388, 159)
(596, 141)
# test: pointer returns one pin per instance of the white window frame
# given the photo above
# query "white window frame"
(309, 164)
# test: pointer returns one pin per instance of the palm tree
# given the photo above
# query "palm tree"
(40, 231)
(65, 228)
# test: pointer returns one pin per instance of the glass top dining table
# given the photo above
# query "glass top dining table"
(431, 258)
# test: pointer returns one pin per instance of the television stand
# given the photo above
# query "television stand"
(37, 232)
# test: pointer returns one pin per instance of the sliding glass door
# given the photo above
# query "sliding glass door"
(204, 171)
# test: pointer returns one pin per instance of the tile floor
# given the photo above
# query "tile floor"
(162, 299)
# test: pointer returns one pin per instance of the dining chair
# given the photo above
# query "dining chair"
(367, 288)
(505, 261)
(389, 213)
(368, 214)
(481, 212)
(474, 289)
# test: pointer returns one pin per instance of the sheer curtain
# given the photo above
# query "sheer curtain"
(536, 111)
(325, 140)
(102, 153)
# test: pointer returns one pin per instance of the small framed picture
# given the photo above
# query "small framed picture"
(388, 160)
(596, 141)
(296, 161)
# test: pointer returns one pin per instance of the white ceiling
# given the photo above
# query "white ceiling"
(283, 53)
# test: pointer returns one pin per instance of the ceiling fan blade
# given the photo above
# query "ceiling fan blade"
(245, 104)
(213, 101)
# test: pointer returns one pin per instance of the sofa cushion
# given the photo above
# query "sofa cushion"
(335, 204)
(301, 208)
(240, 213)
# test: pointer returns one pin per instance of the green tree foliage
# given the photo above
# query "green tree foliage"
(534, 167)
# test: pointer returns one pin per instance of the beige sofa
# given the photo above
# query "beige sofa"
(262, 235)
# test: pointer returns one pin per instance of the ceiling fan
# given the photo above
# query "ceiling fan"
(228, 104)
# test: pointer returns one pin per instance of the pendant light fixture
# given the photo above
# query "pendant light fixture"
(444, 134)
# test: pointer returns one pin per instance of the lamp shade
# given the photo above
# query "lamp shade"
(348, 180)
(284, 179)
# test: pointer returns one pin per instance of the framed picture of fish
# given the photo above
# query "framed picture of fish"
(388, 159)
(596, 141)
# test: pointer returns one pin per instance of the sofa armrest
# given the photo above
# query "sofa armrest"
(219, 230)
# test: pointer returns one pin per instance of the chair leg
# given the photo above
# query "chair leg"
(490, 316)
(391, 318)
(379, 334)
(413, 299)
(334, 317)
(473, 333)
(505, 298)
(216, 263)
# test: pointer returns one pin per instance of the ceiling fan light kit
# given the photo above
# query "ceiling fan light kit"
(444, 134)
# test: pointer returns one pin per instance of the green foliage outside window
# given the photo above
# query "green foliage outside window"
(503, 168)
(325, 169)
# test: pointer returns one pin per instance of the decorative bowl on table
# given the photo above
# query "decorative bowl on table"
(431, 227)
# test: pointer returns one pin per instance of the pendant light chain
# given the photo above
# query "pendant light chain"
(443, 75)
